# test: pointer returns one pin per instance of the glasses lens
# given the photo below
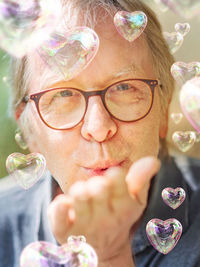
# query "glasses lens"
(62, 108)
(129, 100)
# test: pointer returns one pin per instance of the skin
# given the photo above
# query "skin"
(97, 201)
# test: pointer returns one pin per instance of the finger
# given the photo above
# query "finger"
(81, 202)
(79, 191)
(61, 216)
(139, 177)
(116, 180)
(98, 188)
(99, 191)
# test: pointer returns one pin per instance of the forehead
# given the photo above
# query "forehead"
(115, 58)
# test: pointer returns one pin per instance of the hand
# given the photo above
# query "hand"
(104, 209)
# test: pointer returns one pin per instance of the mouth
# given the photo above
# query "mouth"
(101, 169)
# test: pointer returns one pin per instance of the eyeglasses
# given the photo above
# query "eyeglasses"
(64, 108)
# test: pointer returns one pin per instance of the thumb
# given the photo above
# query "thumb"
(139, 177)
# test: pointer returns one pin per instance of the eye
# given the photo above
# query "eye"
(60, 95)
(123, 86)
(65, 93)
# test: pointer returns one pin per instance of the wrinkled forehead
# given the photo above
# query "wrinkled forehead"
(115, 55)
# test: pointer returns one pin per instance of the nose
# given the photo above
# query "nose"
(97, 125)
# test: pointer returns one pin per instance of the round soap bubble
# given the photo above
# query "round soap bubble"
(26, 169)
(25, 24)
(6, 80)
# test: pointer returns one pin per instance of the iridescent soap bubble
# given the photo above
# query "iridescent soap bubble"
(161, 6)
(6, 80)
(25, 24)
(173, 197)
(20, 139)
(182, 72)
(74, 253)
(184, 140)
(26, 169)
(174, 40)
(182, 28)
(177, 117)
(190, 102)
(76, 240)
(71, 52)
(164, 235)
(184, 8)
(130, 25)
(197, 137)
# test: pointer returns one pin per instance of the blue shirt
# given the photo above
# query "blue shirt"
(186, 174)
(23, 218)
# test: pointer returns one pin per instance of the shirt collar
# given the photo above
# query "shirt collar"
(168, 176)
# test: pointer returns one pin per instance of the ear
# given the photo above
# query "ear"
(19, 110)
(29, 138)
(164, 125)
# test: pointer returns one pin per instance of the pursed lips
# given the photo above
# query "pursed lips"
(101, 167)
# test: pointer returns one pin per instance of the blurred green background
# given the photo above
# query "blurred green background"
(7, 124)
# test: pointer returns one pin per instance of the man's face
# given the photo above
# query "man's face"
(99, 142)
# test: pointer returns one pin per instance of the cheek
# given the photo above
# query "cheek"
(56, 146)
(142, 139)
(43, 139)
(58, 149)
(143, 136)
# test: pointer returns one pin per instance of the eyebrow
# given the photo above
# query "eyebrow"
(48, 77)
(128, 69)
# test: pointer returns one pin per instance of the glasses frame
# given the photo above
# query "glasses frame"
(37, 96)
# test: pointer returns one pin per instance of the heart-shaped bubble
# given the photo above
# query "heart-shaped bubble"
(182, 28)
(173, 197)
(164, 235)
(26, 169)
(174, 40)
(183, 72)
(45, 254)
(177, 117)
(130, 25)
(71, 52)
(25, 24)
(190, 102)
(185, 9)
(184, 140)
